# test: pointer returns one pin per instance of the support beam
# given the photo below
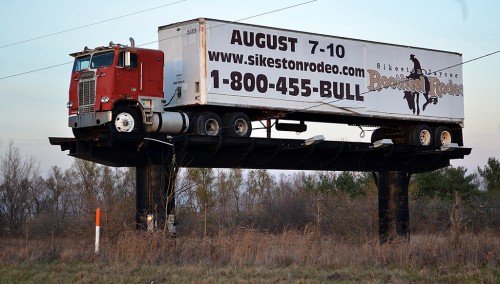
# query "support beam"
(394, 218)
(196, 151)
(268, 128)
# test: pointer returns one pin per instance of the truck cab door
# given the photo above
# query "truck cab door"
(127, 75)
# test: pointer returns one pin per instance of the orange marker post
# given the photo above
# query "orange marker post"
(97, 229)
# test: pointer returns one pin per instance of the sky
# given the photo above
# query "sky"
(33, 105)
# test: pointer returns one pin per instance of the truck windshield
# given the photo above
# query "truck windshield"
(81, 63)
(104, 59)
(93, 61)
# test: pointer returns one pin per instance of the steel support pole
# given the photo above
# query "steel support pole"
(155, 198)
(394, 218)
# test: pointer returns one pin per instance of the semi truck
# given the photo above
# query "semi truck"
(214, 77)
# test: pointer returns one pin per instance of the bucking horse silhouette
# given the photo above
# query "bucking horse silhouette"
(413, 98)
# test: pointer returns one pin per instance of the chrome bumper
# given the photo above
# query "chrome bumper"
(89, 119)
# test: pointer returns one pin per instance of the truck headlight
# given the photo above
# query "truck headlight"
(104, 100)
(69, 104)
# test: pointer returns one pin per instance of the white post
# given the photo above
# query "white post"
(97, 229)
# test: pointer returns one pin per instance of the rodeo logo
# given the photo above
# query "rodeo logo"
(414, 84)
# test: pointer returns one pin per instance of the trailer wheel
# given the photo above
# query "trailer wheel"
(237, 124)
(442, 136)
(420, 135)
(193, 123)
(125, 119)
(208, 123)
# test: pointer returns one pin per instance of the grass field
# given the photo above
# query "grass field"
(252, 256)
(99, 272)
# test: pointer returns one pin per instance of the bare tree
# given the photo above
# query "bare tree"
(87, 176)
(223, 196)
(259, 186)
(201, 181)
(234, 184)
(59, 188)
(18, 177)
(56, 197)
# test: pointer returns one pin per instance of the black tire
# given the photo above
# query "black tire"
(442, 136)
(79, 133)
(237, 124)
(377, 134)
(208, 123)
(420, 135)
(193, 123)
(125, 119)
(86, 133)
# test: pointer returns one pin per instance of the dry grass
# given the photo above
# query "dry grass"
(251, 247)
(258, 256)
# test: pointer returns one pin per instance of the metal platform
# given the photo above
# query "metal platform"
(139, 150)
(153, 156)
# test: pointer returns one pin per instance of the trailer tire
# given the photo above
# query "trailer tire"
(208, 123)
(193, 123)
(125, 119)
(420, 135)
(237, 124)
(442, 136)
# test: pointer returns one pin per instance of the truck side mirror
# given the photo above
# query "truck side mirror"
(127, 59)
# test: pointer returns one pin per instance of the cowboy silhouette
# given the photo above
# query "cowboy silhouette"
(413, 98)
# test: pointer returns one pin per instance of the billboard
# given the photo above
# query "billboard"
(230, 64)
(293, 70)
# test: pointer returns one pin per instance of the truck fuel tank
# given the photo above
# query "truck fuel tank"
(170, 122)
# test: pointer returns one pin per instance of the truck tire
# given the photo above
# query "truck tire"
(442, 136)
(378, 134)
(86, 132)
(125, 119)
(420, 135)
(208, 123)
(237, 124)
(78, 133)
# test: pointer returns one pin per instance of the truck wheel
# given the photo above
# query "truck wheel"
(420, 135)
(193, 123)
(79, 133)
(209, 123)
(442, 136)
(237, 124)
(378, 134)
(125, 119)
(86, 133)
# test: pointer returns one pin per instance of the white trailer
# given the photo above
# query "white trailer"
(220, 67)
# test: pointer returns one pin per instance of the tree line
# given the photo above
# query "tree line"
(209, 201)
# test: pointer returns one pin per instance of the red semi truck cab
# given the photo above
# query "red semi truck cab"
(114, 88)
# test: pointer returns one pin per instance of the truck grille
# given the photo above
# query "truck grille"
(86, 96)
